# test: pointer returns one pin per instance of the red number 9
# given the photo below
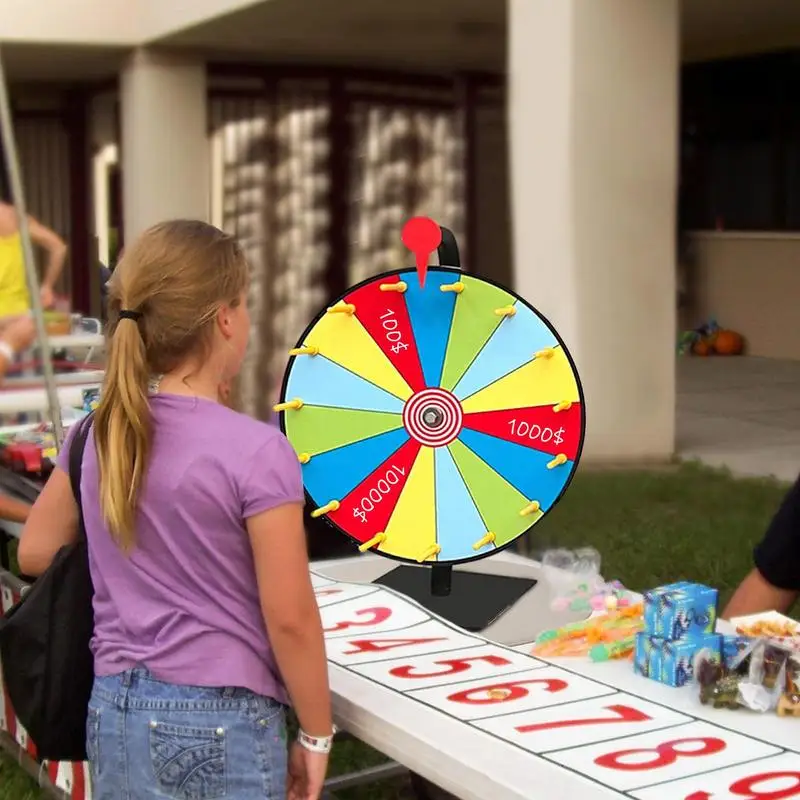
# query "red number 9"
(746, 787)
(663, 755)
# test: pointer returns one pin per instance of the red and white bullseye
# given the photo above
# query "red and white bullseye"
(433, 417)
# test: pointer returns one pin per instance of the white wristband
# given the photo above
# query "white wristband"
(315, 744)
(7, 351)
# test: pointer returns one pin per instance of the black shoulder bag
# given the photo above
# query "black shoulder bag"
(44, 642)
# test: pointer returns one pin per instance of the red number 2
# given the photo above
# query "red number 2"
(747, 787)
(452, 666)
(622, 714)
(373, 616)
(663, 756)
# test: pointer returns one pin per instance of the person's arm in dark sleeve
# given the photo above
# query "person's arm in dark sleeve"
(774, 583)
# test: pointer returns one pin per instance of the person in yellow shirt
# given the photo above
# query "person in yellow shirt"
(14, 297)
(18, 335)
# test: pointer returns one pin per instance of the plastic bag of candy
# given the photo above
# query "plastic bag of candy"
(576, 583)
(758, 679)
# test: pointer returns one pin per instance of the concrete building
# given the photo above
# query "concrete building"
(544, 133)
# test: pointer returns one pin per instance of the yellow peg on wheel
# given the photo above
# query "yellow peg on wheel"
(557, 461)
(548, 352)
(378, 538)
(400, 287)
(456, 287)
(429, 552)
(488, 539)
(289, 405)
(529, 509)
(505, 311)
(305, 350)
(326, 509)
(304, 458)
(342, 308)
(565, 406)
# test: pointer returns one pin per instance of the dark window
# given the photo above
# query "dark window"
(740, 144)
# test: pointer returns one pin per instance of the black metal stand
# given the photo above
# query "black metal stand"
(448, 250)
(441, 580)
(470, 600)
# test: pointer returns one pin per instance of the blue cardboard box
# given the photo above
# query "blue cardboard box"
(677, 656)
(681, 609)
(647, 656)
(733, 647)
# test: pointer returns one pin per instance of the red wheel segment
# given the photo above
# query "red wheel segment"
(384, 315)
(541, 428)
(365, 511)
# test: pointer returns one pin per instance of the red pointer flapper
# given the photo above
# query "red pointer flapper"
(421, 236)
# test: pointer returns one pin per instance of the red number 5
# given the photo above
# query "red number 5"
(513, 690)
(663, 756)
(452, 666)
(746, 787)
(373, 616)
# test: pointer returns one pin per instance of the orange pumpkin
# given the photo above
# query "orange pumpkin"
(728, 343)
(701, 348)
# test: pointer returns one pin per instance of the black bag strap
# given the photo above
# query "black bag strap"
(448, 249)
(76, 451)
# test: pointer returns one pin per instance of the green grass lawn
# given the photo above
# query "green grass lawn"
(651, 527)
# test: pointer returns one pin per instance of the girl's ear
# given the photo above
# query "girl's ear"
(224, 321)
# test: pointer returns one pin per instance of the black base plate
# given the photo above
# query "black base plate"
(475, 601)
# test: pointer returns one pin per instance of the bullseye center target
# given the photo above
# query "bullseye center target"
(433, 417)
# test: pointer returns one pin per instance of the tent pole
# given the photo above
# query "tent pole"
(18, 199)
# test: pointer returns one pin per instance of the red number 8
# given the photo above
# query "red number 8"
(746, 788)
(663, 755)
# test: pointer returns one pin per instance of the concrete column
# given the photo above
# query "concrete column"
(164, 150)
(593, 137)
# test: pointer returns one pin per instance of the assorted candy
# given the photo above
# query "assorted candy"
(603, 637)
(764, 677)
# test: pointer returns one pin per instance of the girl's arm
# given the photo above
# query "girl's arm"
(51, 524)
(291, 613)
(12, 509)
(56, 248)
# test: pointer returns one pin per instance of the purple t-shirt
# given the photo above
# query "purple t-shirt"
(185, 602)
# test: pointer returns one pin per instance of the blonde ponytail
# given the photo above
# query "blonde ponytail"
(122, 431)
(163, 299)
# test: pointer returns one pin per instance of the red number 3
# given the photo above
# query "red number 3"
(746, 787)
(372, 616)
(663, 756)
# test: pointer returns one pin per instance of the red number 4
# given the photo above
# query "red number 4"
(747, 787)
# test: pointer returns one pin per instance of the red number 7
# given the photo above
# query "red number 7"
(623, 714)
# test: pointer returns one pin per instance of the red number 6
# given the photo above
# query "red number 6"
(513, 690)
(663, 755)
(746, 787)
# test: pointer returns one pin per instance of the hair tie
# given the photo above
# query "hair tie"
(134, 315)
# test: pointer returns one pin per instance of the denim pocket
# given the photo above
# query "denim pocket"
(188, 762)
(93, 741)
(271, 748)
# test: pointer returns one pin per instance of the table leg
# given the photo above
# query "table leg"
(425, 790)
(5, 558)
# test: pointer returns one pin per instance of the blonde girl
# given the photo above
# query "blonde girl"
(206, 624)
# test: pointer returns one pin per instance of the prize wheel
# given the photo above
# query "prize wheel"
(436, 423)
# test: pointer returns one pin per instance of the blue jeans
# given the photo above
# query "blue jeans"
(147, 739)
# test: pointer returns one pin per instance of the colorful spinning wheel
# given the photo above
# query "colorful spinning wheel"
(434, 424)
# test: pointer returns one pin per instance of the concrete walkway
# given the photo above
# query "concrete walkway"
(740, 412)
